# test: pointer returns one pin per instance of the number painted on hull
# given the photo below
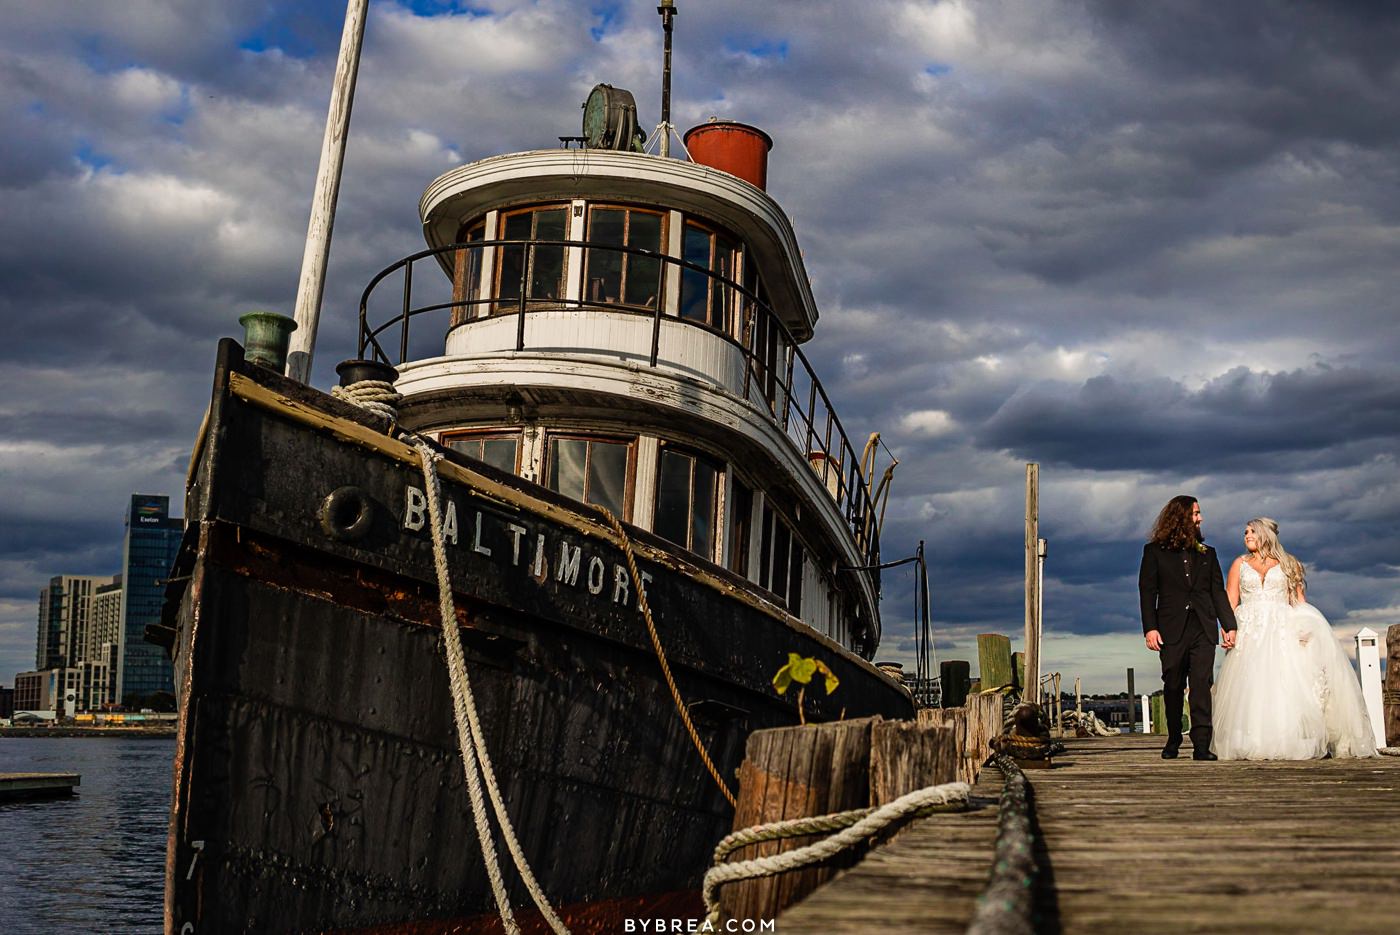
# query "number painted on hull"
(198, 849)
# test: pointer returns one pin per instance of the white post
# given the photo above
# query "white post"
(1146, 716)
(1040, 552)
(1368, 669)
(318, 231)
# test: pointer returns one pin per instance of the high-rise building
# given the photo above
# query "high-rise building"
(152, 541)
(63, 620)
(104, 639)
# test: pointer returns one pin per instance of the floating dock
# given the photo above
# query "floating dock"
(17, 786)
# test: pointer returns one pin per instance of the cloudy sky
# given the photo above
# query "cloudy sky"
(1150, 246)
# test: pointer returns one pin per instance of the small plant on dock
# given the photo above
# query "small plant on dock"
(802, 669)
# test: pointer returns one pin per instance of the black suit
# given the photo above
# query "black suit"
(1183, 596)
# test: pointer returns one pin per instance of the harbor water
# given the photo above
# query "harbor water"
(94, 862)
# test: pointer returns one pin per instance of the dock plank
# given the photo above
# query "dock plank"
(1134, 843)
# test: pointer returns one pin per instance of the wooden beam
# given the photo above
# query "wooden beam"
(1031, 691)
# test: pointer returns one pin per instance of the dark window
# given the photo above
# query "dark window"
(466, 273)
(708, 298)
(740, 521)
(780, 561)
(687, 499)
(615, 277)
(497, 450)
(768, 351)
(540, 268)
(593, 470)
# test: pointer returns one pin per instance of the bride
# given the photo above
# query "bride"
(1286, 690)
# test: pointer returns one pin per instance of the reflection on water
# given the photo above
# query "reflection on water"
(95, 862)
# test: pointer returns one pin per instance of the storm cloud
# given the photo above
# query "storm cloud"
(1150, 247)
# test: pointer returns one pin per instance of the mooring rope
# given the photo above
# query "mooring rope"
(851, 827)
(378, 396)
(476, 759)
(1004, 908)
(645, 607)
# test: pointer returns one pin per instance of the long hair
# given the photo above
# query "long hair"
(1174, 528)
(1266, 531)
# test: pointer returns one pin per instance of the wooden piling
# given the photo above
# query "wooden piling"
(1391, 695)
(1158, 706)
(974, 725)
(796, 772)
(994, 661)
(1030, 681)
(1018, 667)
(955, 677)
(909, 755)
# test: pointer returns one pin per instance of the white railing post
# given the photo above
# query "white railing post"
(1368, 669)
(1146, 716)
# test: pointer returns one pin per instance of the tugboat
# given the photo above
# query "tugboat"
(591, 417)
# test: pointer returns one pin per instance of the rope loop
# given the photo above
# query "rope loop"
(852, 828)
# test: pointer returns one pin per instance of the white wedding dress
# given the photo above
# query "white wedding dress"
(1287, 690)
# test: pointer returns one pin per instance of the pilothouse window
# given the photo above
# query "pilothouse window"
(687, 499)
(705, 298)
(540, 268)
(593, 470)
(466, 273)
(616, 277)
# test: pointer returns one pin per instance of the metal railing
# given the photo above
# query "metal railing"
(778, 380)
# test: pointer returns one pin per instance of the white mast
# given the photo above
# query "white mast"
(318, 231)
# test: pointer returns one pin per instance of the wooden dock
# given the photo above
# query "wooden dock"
(15, 786)
(1129, 842)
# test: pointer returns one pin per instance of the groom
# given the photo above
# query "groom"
(1183, 597)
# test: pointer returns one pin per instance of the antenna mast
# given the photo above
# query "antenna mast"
(668, 12)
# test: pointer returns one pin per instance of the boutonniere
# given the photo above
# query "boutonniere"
(1200, 546)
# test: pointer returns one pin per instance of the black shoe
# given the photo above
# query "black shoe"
(1169, 752)
(1204, 755)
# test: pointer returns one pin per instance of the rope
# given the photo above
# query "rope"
(377, 396)
(645, 608)
(472, 738)
(854, 827)
(1004, 908)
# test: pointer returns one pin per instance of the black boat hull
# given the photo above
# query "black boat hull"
(318, 781)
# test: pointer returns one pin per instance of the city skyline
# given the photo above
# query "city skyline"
(1150, 250)
(96, 623)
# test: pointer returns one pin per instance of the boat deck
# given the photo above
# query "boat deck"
(1132, 843)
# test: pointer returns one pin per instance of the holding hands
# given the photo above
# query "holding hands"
(1154, 639)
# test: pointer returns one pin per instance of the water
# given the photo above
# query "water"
(95, 862)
